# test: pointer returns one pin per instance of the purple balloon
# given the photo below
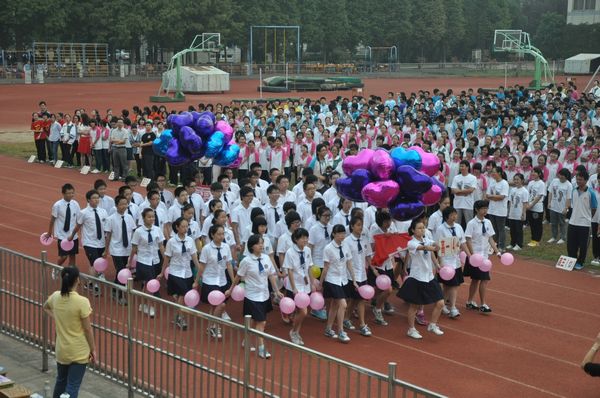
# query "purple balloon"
(180, 120)
(435, 181)
(411, 181)
(432, 196)
(380, 193)
(236, 163)
(215, 144)
(176, 155)
(351, 187)
(190, 140)
(404, 209)
(358, 161)
(224, 128)
(228, 155)
(205, 125)
(381, 164)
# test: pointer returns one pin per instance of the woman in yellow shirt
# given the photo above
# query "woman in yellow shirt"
(75, 346)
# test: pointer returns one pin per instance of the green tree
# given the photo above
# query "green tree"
(549, 34)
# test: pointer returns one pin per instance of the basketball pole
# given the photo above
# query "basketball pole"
(260, 82)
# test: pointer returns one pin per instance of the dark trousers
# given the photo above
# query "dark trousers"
(40, 146)
(160, 166)
(173, 177)
(499, 223)
(138, 164)
(120, 263)
(66, 153)
(577, 242)
(98, 156)
(595, 241)
(68, 379)
(207, 173)
(535, 223)
(148, 165)
(516, 232)
(75, 153)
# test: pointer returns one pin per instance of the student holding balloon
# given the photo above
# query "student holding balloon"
(480, 237)
(215, 265)
(299, 280)
(146, 244)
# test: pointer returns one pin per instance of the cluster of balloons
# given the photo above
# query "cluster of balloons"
(401, 180)
(302, 300)
(477, 261)
(193, 135)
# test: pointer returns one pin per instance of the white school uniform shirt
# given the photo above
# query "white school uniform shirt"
(193, 230)
(257, 283)
(331, 195)
(179, 264)
(267, 246)
(337, 273)
(107, 203)
(175, 212)
(317, 238)
(270, 211)
(131, 210)
(582, 204)
(59, 211)
(300, 271)
(304, 208)
(147, 252)
(561, 191)
(435, 220)
(445, 231)
(518, 198)
(206, 210)
(198, 203)
(287, 196)
(146, 205)
(160, 214)
(479, 240)
(343, 219)
(359, 258)
(114, 224)
(421, 264)
(498, 208)
(241, 216)
(284, 242)
(215, 271)
(464, 182)
(87, 220)
(168, 196)
(537, 188)
(137, 199)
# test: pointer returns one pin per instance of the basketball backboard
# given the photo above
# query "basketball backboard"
(507, 40)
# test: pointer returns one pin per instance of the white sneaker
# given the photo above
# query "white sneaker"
(152, 312)
(509, 247)
(435, 329)
(445, 310)
(95, 171)
(595, 262)
(143, 308)
(551, 240)
(225, 316)
(414, 333)
(516, 248)
(560, 242)
(454, 313)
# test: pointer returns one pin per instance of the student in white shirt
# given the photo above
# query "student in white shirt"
(181, 199)
(535, 206)
(480, 237)
(559, 203)
(62, 223)
(194, 199)
(259, 227)
(212, 206)
(220, 218)
(215, 267)
(147, 245)
(273, 212)
(360, 249)
(517, 212)
(343, 215)
(106, 202)
(497, 194)
(166, 196)
(132, 182)
(320, 235)
(180, 252)
(257, 271)
(91, 221)
(463, 187)
(240, 215)
(421, 287)
(297, 264)
(337, 265)
(584, 203)
(193, 230)
(436, 219)
(449, 229)
(160, 213)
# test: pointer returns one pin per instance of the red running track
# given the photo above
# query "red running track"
(544, 319)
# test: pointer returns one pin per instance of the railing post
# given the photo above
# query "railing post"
(129, 339)
(44, 324)
(247, 345)
(391, 379)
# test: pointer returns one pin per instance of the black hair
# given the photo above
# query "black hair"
(119, 198)
(146, 211)
(90, 193)
(321, 211)
(177, 223)
(583, 174)
(151, 194)
(271, 188)
(357, 212)
(253, 240)
(244, 191)
(124, 188)
(338, 228)
(381, 216)
(129, 179)
(99, 183)
(213, 230)
(565, 173)
(179, 190)
(447, 212)
(291, 217)
(413, 225)
(212, 204)
(187, 207)
(316, 204)
(299, 233)
(480, 204)
(216, 215)
(216, 186)
(256, 212)
(69, 276)
(354, 220)
(257, 222)
(287, 206)
(67, 187)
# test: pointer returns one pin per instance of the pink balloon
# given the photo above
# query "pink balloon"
(166, 273)
(153, 285)
(366, 292)
(476, 260)
(46, 239)
(486, 265)
(383, 282)
(100, 264)
(432, 196)
(317, 302)
(191, 298)
(224, 128)
(381, 164)
(216, 297)
(463, 257)
(124, 275)
(359, 161)
(507, 259)
(238, 293)
(287, 305)
(447, 273)
(302, 300)
(430, 163)
(380, 193)
(66, 245)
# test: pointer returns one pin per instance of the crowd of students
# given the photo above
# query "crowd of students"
(511, 159)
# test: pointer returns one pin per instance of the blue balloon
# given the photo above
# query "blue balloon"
(215, 143)
(228, 155)
(403, 157)
(161, 144)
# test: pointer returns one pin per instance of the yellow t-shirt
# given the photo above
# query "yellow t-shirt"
(71, 344)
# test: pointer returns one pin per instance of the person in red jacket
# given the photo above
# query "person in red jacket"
(41, 130)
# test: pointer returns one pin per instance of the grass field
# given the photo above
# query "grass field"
(17, 149)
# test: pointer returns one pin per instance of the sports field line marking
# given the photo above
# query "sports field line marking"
(24, 212)
(475, 368)
(562, 307)
(546, 283)
(18, 229)
(4, 191)
(544, 327)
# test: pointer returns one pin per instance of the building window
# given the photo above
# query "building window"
(580, 5)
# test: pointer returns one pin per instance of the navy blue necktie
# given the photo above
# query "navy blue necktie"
(276, 214)
(347, 220)
(183, 249)
(483, 230)
(124, 232)
(359, 245)
(98, 225)
(302, 259)
(219, 256)
(260, 266)
(326, 233)
(129, 211)
(156, 221)
(67, 225)
(341, 253)
(453, 229)
(162, 198)
(149, 236)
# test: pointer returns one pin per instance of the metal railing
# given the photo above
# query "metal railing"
(152, 357)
